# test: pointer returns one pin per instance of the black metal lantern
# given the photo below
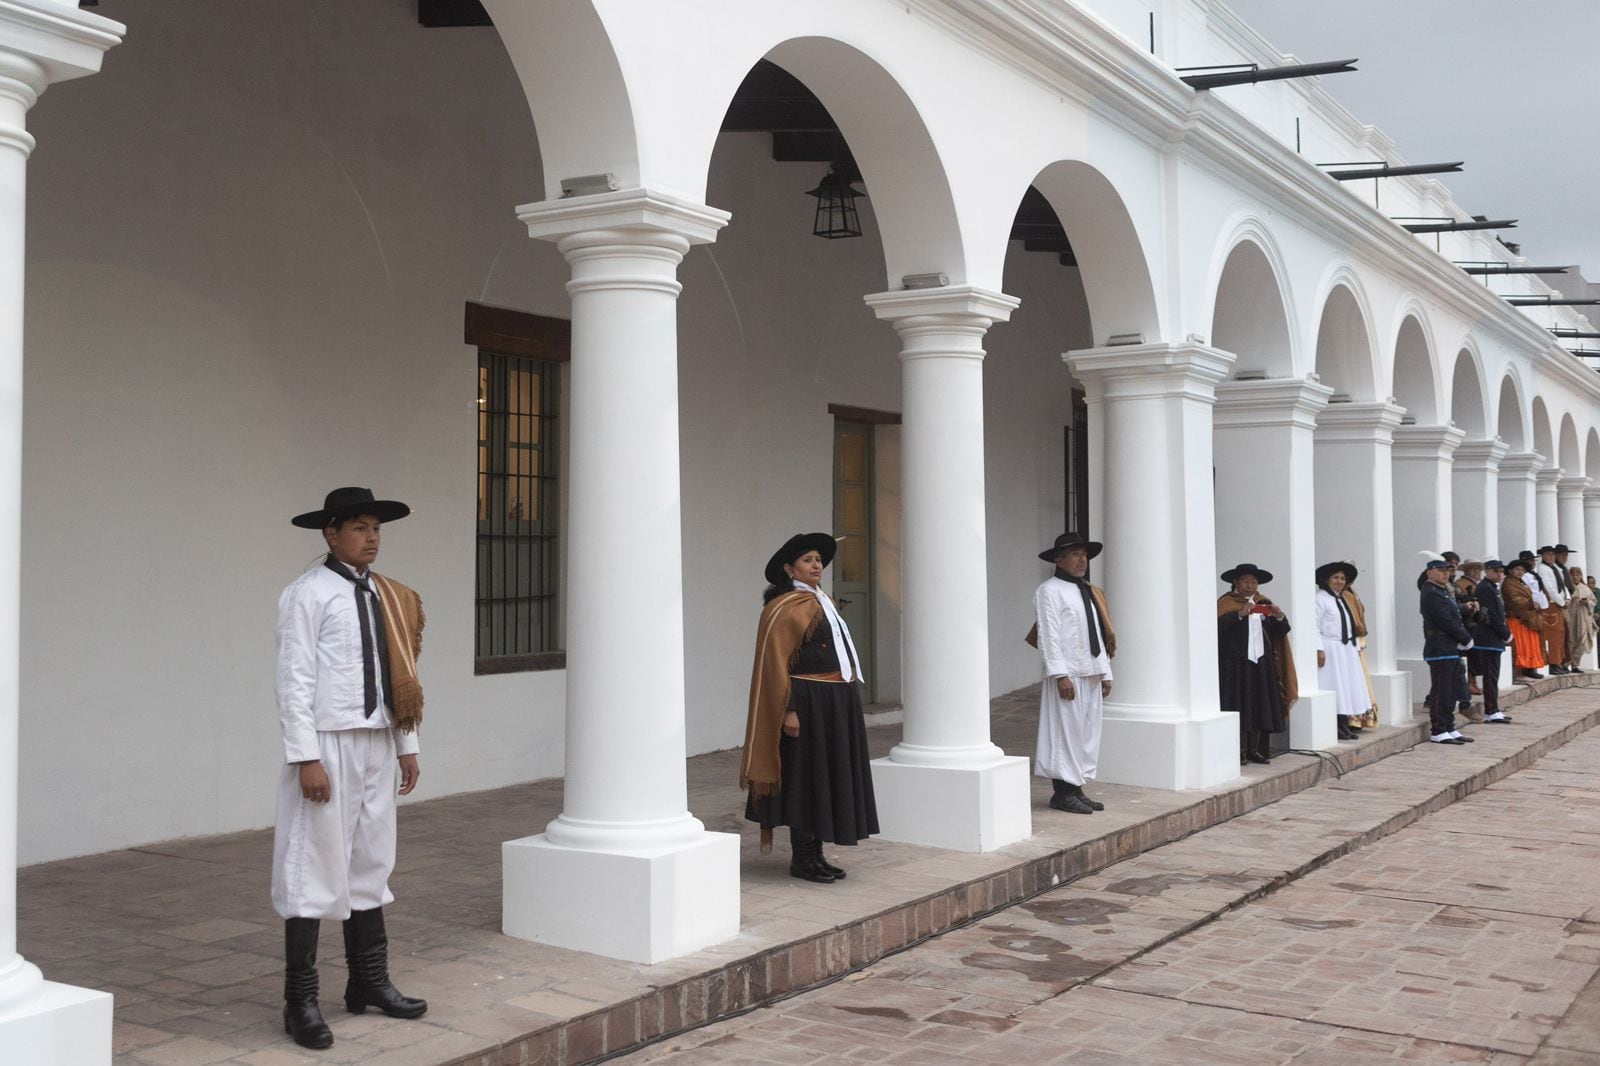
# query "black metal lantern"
(836, 206)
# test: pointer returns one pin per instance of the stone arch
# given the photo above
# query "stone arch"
(1510, 425)
(1111, 258)
(1571, 459)
(1345, 343)
(1245, 318)
(563, 52)
(1543, 439)
(1414, 382)
(1469, 403)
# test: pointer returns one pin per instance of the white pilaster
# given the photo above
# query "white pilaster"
(1266, 501)
(1422, 512)
(625, 870)
(41, 41)
(1475, 498)
(946, 783)
(1569, 517)
(1153, 403)
(1518, 472)
(1591, 521)
(1547, 516)
(1355, 504)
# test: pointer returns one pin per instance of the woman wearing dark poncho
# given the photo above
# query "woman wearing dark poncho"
(1256, 678)
(805, 762)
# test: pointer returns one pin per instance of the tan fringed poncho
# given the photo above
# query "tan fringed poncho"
(1283, 656)
(786, 622)
(402, 621)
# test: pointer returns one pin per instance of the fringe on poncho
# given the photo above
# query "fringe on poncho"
(403, 620)
(786, 622)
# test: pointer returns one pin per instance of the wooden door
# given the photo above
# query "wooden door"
(852, 520)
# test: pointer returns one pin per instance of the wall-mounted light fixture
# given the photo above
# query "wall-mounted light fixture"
(589, 185)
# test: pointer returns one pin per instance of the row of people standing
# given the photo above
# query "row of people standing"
(1551, 609)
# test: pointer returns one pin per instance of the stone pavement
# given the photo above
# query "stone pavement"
(183, 934)
(1471, 935)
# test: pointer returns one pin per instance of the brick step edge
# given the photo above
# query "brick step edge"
(811, 961)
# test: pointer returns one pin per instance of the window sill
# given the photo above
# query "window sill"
(520, 664)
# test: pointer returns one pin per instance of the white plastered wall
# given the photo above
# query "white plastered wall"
(250, 245)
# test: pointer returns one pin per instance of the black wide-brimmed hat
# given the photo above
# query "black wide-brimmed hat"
(1526, 555)
(1327, 570)
(1068, 541)
(1547, 548)
(1559, 548)
(821, 543)
(347, 503)
(1244, 570)
(1518, 563)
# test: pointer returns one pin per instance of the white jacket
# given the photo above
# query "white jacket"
(320, 686)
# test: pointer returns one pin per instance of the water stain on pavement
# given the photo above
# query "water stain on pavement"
(879, 1012)
(1156, 884)
(1075, 911)
(1320, 923)
(1054, 963)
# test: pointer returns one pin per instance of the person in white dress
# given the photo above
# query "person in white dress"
(1338, 655)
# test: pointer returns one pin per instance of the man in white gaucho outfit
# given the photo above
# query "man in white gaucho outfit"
(349, 703)
(1076, 642)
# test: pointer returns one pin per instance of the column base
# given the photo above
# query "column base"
(1394, 693)
(1314, 721)
(640, 906)
(1173, 753)
(959, 808)
(59, 1025)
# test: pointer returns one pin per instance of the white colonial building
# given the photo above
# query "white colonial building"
(1084, 291)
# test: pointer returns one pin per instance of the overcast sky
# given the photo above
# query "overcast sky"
(1510, 86)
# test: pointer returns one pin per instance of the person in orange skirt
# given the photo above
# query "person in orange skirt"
(1527, 626)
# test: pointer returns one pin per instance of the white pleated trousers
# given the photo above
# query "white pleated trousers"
(334, 857)
(1069, 731)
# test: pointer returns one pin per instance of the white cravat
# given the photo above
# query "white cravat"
(841, 632)
(1257, 645)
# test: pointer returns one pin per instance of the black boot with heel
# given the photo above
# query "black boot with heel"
(366, 951)
(302, 1017)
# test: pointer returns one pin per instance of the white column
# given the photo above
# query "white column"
(946, 783)
(1517, 489)
(41, 42)
(1569, 515)
(1475, 498)
(1266, 503)
(625, 870)
(1547, 518)
(1591, 521)
(1153, 402)
(1570, 531)
(1355, 503)
(1422, 512)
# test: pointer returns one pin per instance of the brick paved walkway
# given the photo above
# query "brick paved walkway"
(1469, 936)
(184, 936)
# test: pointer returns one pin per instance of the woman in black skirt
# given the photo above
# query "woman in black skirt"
(805, 761)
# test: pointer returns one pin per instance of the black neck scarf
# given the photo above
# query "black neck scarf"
(372, 633)
(1347, 621)
(1096, 623)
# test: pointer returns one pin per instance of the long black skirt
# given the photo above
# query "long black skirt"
(827, 779)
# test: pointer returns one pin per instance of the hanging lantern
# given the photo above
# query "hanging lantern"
(836, 206)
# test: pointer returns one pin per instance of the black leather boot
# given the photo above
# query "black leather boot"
(366, 951)
(822, 861)
(805, 860)
(1258, 748)
(1093, 804)
(302, 1018)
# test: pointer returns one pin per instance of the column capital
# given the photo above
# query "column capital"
(1571, 487)
(1484, 453)
(1150, 370)
(1547, 478)
(959, 304)
(1271, 402)
(1521, 466)
(46, 41)
(1426, 442)
(639, 216)
(1359, 422)
(1591, 496)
